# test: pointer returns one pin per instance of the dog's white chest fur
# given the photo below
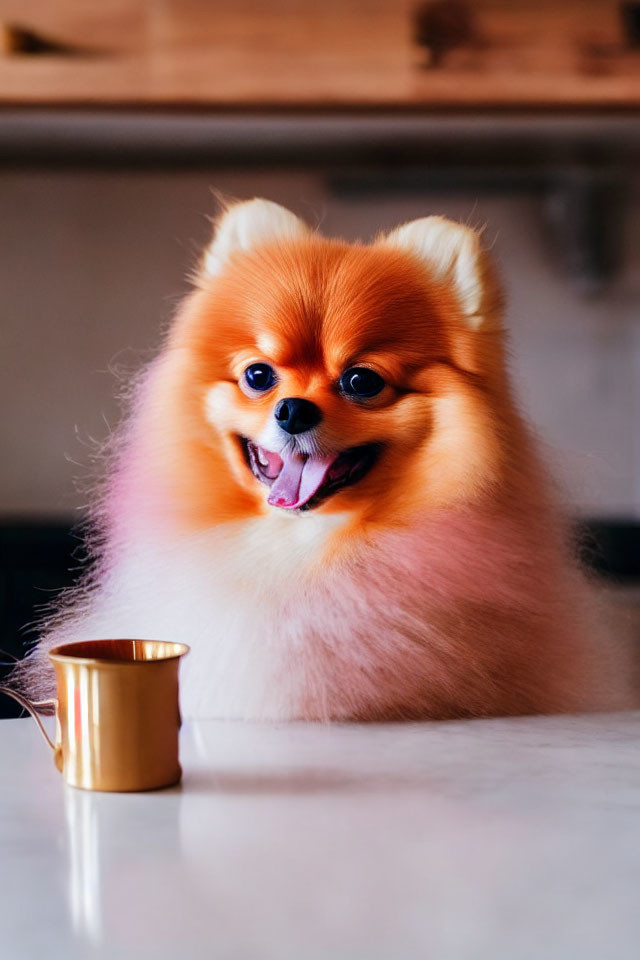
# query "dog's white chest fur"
(240, 595)
(400, 624)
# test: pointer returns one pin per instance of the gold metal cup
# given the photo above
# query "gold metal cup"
(117, 713)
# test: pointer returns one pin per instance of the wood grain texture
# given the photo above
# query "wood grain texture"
(296, 54)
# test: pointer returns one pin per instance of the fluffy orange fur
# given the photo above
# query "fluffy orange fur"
(313, 308)
(442, 583)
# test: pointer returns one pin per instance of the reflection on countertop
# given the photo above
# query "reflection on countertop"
(474, 838)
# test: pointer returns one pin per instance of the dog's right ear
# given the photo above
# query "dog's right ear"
(453, 254)
(244, 226)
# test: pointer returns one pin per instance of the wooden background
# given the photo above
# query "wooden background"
(332, 54)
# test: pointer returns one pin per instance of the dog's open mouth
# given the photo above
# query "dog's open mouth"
(301, 482)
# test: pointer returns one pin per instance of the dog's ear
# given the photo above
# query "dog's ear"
(453, 254)
(244, 226)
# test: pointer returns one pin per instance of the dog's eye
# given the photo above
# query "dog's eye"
(260, 376)
(361, 383)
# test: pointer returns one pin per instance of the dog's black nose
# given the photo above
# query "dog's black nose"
(296, 415)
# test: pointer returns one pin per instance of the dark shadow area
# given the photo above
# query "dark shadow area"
(611, 548)
(37, 560)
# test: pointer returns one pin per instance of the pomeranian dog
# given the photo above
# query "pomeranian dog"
(325, 488)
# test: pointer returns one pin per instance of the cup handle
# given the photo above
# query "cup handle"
(33, 706)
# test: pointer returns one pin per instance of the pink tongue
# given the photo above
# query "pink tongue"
(273, 463)
(298, 480)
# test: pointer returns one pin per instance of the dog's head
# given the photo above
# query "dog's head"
(335, 377)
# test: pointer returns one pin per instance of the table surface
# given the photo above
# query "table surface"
(478, 839)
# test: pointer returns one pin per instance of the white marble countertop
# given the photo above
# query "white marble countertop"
(514, 839)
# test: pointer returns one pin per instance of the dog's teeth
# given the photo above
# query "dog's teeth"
(262, 460)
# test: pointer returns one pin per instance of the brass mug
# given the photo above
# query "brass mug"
(117, 713)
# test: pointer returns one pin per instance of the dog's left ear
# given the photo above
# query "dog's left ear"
(453, 254)
(244, 226)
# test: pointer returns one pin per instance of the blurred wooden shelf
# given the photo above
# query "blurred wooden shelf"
(334, 55)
